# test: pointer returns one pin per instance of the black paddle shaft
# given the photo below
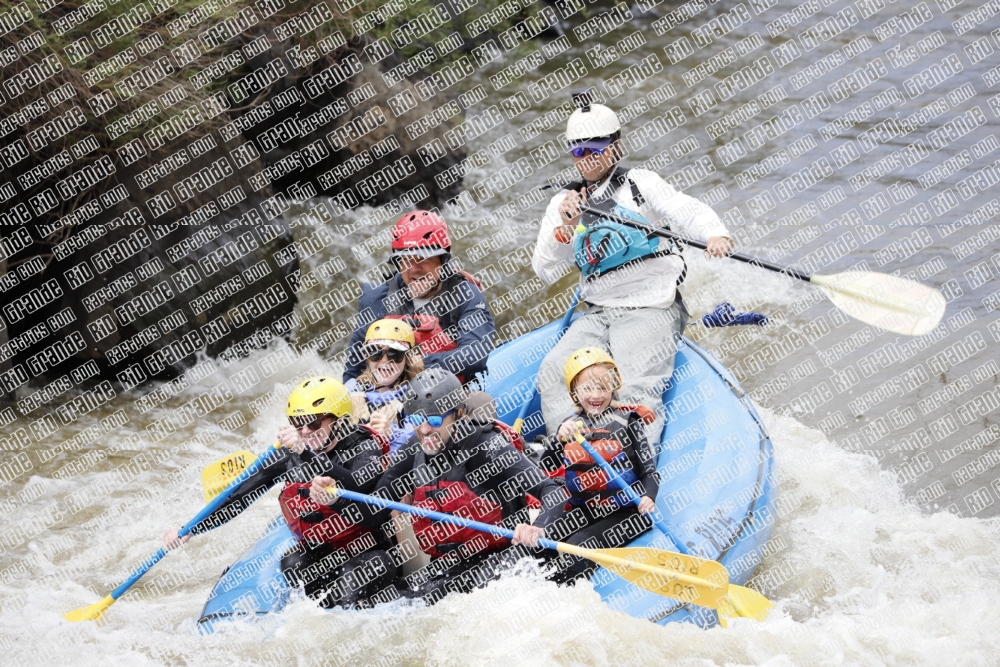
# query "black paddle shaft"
(667, 234)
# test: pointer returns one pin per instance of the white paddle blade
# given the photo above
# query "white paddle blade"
(895, 304)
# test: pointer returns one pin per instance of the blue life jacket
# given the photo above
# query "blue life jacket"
(601, 245)
(607, 245)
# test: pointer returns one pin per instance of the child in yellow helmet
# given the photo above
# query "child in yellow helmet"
(606, 518)
(628, 280)
(377, 395)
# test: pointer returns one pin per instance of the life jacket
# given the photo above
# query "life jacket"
(586, 482)
(317, 523)
(380, 440)
(602, 245)
(376, 399)
(516, 441)
(401, 431)
(512, 436)
(450, 494)
(429, 331)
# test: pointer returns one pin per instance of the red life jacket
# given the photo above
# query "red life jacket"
(314, 522)
(321, 523)
(586, 482)
(645, 414)
(513, 437)
(382, 441)
(452, 495)
(428, 333)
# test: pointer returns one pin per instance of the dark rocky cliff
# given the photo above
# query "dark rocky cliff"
(152, 153)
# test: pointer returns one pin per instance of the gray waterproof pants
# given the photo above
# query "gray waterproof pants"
(642, 342)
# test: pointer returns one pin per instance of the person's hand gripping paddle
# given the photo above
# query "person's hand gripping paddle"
(738, 600)
(214, 480)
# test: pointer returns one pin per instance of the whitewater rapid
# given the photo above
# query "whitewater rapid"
(859, 575)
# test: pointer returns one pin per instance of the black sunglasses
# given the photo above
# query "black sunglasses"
(395, 356)
(312, 422)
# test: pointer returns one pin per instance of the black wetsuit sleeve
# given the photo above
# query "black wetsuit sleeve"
(475, 331)
(395, 483)
(360, 473)
(552, 496)
(643, 457)
(246, 493)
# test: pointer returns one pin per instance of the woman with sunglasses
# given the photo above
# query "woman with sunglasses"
(628, 280)
(377, 395)
(445, 306)
(319, 440)
(457, 464)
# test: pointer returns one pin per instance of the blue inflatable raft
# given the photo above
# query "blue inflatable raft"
(717, 490)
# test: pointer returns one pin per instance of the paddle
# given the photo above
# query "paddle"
(217, 476)
(686, 578)
(895, 304)
(739, 601)
(94, 611)
(563, 326)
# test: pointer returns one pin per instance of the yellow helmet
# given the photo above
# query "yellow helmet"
(584, 358)
(319, 396)
(392, 333)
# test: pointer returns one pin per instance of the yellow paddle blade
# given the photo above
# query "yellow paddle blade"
(685, 578)
(217, 476)
(91, 612)
(744, 602)
(895, 304)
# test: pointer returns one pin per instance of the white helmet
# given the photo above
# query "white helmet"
(590, 122)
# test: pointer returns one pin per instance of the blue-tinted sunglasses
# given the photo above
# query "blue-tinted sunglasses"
(434, 421)
(583, 151)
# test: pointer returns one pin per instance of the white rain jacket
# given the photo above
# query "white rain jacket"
(651, 283)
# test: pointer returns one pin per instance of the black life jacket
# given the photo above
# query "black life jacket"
(586, 482)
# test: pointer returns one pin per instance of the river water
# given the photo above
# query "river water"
(885, 551)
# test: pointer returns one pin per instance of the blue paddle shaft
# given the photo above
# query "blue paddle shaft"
(215, 504)
(620, 483)
(563, 326)
(437, 516)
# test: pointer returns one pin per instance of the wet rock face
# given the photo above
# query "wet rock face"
(373, 138)
(139, 302)
(152, 227)
(191, 254)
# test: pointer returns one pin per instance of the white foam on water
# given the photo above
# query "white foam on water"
(859, 576)
(709, 282)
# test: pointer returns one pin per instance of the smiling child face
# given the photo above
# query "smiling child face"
(594, 387)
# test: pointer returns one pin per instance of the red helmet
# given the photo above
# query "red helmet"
(421, 233)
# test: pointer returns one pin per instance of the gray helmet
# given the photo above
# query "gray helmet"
(480, 407)
(434, 391)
